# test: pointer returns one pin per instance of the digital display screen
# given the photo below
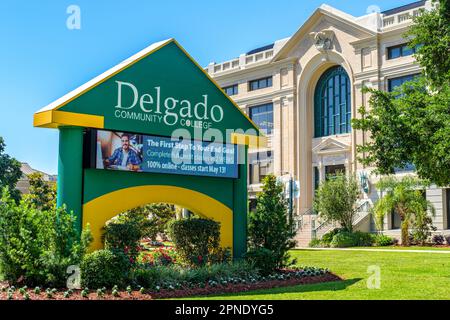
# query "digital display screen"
(144, 153)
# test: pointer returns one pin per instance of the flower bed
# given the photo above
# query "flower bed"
(225, 285)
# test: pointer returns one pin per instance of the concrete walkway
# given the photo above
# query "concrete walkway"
(376, 250)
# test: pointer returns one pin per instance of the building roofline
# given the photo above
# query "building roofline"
(405, 7)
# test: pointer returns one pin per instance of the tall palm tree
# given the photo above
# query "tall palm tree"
(403, 196)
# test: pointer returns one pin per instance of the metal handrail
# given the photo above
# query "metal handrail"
(360, 214)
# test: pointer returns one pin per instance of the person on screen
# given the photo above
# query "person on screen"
(124, 157)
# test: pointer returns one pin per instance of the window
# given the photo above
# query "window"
(401, 50)
(261, 165)
(396, 221)
(262, 116)
(396, 82)
(316, 178)
(231, 90)
(252, 205)
(260, 84)
(331, 171)
(332, 103)
(409, 167)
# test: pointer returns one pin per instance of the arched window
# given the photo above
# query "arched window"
(332, 103)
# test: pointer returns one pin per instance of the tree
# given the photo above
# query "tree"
(42, 193)
(403, 196)
(269, 226)
(335, 200)
(412, 124)
(10, 172)
(152, 218)
(431, 32)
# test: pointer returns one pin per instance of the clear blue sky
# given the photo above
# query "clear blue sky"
(41, 60)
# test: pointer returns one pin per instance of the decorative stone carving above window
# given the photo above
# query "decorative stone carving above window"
(323, 40)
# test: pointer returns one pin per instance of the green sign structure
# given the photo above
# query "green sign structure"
(114, 129)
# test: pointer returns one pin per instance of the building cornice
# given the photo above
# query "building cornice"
(287, 92)
(254, 68)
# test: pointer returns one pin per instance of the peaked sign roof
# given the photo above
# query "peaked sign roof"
(156, 91)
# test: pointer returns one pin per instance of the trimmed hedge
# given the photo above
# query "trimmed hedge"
(382, 240)
(262, 259)
(197, 241)
(104, 268)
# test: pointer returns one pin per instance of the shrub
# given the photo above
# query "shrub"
(262, 259)
(270, 226)
(363, 239)
(315, 243)
(423, 226)
(122, 236)
(196, 240)
(343, 239)
(104, 268)
(176, 275)
(328, 237)
(37, 246)
(438, 239)
(382, 240)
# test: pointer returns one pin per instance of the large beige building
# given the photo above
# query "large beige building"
(304, 90)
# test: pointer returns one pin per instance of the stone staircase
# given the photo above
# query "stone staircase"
(304, 227)
(310, 227)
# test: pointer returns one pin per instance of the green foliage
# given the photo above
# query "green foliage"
(38, 246)
(104, 268)
(404, 197)
(315, 243)
(431, 31)
(335, 200)
(125, 231)
(10, 172)
(328, 237)
(343, 239)
(412, 124)
(382, 240)
(269, 226)
(423, 227)
(174, 275)
(363, 239)
(197, 240)
(262, 259)
(153, 218)
(42, 193)
(122, 236)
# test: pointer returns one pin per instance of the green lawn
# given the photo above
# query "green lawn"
(403, 276)
(409, 248)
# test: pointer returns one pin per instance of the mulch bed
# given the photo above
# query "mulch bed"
(177, 293)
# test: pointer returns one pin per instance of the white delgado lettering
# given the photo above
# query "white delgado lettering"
(157, 110)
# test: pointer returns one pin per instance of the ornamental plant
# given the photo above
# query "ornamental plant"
(104, 268)
(37, 246)
(335, 200)
(404, 197)
(196, 240)
(270, 227)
